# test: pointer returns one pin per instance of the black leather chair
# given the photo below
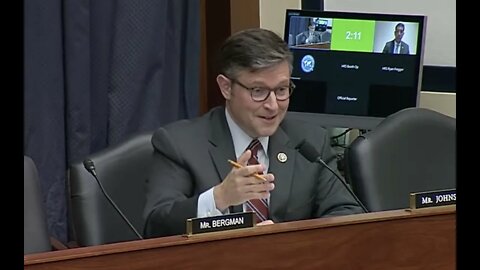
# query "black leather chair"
(35, 232)
(412, 150)
(122, 169)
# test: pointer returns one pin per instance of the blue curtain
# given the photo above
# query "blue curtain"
(97, 72)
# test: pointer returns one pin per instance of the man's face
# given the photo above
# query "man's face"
(399, 33)
(311, 28)
(256, 118)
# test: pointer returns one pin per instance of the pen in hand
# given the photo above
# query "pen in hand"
(238, 166)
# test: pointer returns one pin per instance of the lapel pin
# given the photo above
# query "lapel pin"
(282, 157)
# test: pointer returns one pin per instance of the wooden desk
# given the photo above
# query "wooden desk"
(399, 239)
(321, 45)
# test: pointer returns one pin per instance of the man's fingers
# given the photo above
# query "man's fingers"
(244, 157)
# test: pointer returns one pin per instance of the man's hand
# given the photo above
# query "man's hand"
(240, 185)
(265, 222)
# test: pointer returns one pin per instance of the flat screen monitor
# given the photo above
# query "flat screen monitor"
(354, 69)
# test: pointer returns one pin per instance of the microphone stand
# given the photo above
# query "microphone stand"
(91, 169)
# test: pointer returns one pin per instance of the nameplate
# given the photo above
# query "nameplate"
(220, 223)
(433, 198)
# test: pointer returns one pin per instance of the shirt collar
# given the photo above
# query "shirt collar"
(241, 139)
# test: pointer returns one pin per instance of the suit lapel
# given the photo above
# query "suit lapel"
(283, 171)
(221, 149)
(221, 145)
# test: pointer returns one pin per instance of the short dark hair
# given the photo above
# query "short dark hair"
(252, 49)
(400, 25)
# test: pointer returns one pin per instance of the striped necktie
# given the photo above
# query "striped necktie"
(259, 206)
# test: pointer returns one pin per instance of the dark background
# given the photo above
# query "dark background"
(96, 72)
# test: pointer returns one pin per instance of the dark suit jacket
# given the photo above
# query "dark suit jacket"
(191, 157)
(389, 46)
(302, 37)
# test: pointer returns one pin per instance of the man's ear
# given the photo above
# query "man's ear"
(225, 86)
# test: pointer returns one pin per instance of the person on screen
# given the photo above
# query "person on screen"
(309, 36)
(191, 175)
(397, 46)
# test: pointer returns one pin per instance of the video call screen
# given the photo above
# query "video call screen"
(357, 64)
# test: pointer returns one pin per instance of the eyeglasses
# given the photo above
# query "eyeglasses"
(260, 94)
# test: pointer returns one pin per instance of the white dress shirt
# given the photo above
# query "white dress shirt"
(206, 202)
(396, 48)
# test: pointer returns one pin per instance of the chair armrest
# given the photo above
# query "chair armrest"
(57, 245)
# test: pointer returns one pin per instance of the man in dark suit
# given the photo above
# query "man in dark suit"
(310, 36)
(191, 176)
(397, 46)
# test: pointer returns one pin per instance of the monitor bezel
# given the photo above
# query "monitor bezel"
(355, 121)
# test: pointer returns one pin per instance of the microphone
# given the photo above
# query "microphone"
(307, 150)
(90, 166)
